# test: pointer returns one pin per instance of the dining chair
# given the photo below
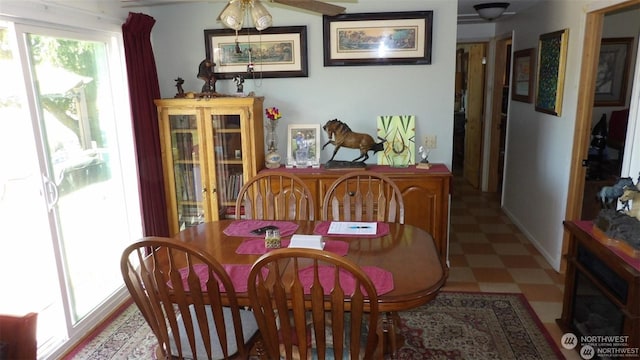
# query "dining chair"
(188, 300)
(363, 196)
(313, 304)
(275, 196)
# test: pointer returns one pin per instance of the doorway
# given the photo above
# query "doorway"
(469, 111)
(593, 34)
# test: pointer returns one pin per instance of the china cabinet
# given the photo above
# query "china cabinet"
(210, 147)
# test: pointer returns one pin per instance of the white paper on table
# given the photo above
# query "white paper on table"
(307, 241)
(353, 228)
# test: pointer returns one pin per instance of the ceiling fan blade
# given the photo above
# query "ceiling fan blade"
(313, 5)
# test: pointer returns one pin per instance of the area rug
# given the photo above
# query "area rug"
(455, 325)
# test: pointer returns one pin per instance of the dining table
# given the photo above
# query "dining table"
(402, 259)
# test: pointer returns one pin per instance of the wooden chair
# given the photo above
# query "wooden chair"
(367, 196)
(302, 316)
(275, 196)
(184, 305)
(18, 336)
(363, 196)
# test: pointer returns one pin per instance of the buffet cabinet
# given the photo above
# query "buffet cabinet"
(209, 149)
(602, 288)
(425, 192)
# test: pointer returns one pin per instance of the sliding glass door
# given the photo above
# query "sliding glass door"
(69, 200)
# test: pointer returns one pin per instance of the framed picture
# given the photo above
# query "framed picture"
(303, 145)
(274, 52)
(552, 60)
(395, 38)
(522, 84)
(613, 71)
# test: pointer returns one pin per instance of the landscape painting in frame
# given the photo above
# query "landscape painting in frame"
(399, 132)
(394, 38)
(274, 52)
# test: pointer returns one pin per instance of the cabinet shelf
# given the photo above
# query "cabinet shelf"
(208, 144)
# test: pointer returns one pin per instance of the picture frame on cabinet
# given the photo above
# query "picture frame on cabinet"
(303, 145)
(522, 84)
(404, 36)
(552, 60)
(276, 52)
(613, 71)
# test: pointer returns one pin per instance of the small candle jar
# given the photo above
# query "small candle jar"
(272, 239)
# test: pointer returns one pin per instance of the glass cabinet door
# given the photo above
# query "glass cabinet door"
(187, 170)
(228, 155)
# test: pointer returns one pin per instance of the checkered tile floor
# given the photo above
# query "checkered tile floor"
(488, 253)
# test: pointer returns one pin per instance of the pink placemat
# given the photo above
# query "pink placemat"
(382, 279)
(244, 227)
(256, 246)
(239, 273)
(322, 228)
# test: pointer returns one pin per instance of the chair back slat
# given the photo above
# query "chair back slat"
(363, 196)
(275, 195)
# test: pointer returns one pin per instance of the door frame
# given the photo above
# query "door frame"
(590, 54)
(501, 44)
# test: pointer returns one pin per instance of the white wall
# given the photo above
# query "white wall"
(539, 146)
(353, 94)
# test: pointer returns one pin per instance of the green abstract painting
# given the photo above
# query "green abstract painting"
(399, 131)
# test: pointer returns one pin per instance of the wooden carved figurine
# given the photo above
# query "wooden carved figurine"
(340, 134)
(179, 82)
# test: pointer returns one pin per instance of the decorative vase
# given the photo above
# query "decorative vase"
(272, 158)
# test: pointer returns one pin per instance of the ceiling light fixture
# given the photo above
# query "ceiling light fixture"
(232, 16)
(491, 11)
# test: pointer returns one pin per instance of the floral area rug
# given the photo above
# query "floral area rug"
(455, 325)
(475, 326)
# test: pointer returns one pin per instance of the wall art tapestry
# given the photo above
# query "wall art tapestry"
(552, 59)
(399, 131)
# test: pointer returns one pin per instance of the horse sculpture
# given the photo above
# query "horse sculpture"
(632, 194)
(340, 134)
(609, 194)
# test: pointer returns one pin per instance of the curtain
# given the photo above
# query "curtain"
(143, 89)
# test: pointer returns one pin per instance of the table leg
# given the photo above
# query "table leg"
(391, 339)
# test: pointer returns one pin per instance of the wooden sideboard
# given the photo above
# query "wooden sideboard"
(602, 289)
(426, 195)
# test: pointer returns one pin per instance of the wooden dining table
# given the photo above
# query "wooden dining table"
(407, 252)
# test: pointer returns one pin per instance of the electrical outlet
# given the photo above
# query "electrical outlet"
(430, 141)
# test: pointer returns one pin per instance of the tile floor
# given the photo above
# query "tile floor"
(488, 253)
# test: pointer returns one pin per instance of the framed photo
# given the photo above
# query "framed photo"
(395, 38)
(303, 145)
(522, 84)
(552, 60)
(613, 71)
(274, 52)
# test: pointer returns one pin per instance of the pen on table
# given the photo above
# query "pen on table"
(359, 227)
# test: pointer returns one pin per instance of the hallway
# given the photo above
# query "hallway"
(488, 253)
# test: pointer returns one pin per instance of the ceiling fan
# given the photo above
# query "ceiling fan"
(310, 5)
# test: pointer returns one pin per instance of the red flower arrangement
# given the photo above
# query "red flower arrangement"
(272, 113)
